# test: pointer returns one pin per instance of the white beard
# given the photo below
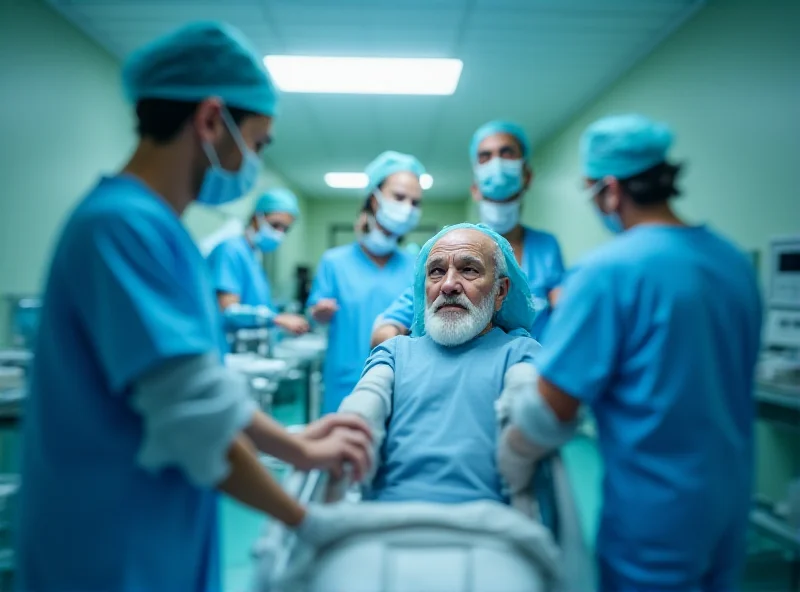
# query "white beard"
(452, 328)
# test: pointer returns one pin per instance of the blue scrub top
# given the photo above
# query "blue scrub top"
(235, 269)
(363, 290)
(658, 331)
(127, 290)
(541, 262)
(441, 440)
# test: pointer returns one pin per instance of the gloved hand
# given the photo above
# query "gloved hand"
(322, 525)
(516, 469)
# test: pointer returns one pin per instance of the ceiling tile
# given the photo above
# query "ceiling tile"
(533, 61)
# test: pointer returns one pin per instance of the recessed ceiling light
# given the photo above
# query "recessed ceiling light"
(346, 180)
(426, 181)
(369, 76)
(360, 180)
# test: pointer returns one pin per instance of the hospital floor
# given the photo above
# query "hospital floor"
(767, 569)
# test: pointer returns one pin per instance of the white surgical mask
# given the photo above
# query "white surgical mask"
(397, 217)
(500, 217)
(499, 178)
(378, 243)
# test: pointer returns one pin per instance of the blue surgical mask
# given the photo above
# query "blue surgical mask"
(501, 217)
(222, 186)
(266, 239)
(399, 218)
(611, 221)
(499, 179)
(378, 243)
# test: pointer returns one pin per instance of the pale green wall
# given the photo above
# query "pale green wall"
(64, 121)
(729, 84)
(324, 213)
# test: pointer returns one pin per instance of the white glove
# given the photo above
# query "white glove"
(322, 525)
(517, 471)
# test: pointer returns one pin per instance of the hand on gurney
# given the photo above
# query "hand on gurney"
(335, 441)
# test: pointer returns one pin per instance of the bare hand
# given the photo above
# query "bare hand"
(324, 310)
(292, 323)
(323, 427)
(343, 446)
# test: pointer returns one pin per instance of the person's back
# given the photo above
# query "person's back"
(441, 437)
(79, 470)
(679, 410)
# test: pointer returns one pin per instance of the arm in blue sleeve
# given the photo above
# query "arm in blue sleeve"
(556, 272)
(243, 316)
(146, 299)
(324, 285)
(383, 354)
(400, 312)
(226, 272)
(582, 341)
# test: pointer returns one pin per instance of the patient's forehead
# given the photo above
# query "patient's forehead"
(464, 242)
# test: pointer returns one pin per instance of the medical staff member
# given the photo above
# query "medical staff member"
(499, 154)
(243, 289)
(132, 423)
(356, 282)
(658, 332)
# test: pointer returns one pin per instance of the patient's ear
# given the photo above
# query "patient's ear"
(501, 293)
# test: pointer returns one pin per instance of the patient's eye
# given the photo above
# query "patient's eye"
(435, 272)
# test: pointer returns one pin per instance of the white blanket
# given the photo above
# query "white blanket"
(345, 521)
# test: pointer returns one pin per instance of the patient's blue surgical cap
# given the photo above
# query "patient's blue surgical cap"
(277, 200)
(623, 146)
(388, 163)
(499, 127)
(198, 61)
(517, 312)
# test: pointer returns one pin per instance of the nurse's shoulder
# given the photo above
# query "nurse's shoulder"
(123, 199)
(340, 254)
(122, 215)
(542, 238)
(231, 248)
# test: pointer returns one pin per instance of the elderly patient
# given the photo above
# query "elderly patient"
(431, 398)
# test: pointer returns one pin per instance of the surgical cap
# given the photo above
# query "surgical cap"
(277, 200)
(198, 61)
(499, 127)
(623, 146)
(387, 164)
(517, 312)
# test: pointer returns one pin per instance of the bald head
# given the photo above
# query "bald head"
(465, 285)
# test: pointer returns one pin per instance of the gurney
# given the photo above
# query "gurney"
(263, 375)
(392, 547)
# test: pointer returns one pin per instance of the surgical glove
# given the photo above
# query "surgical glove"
(517, 464)
(322, 525)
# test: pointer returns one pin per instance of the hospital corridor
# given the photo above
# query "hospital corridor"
(422, 296)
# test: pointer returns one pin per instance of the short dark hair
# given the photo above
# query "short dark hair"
(654, 186)
(161, 119)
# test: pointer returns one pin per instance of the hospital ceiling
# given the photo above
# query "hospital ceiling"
(538, 62)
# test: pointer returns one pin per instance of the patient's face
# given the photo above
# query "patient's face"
(461, 294)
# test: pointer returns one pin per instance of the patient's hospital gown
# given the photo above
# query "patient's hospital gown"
(442, 433)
